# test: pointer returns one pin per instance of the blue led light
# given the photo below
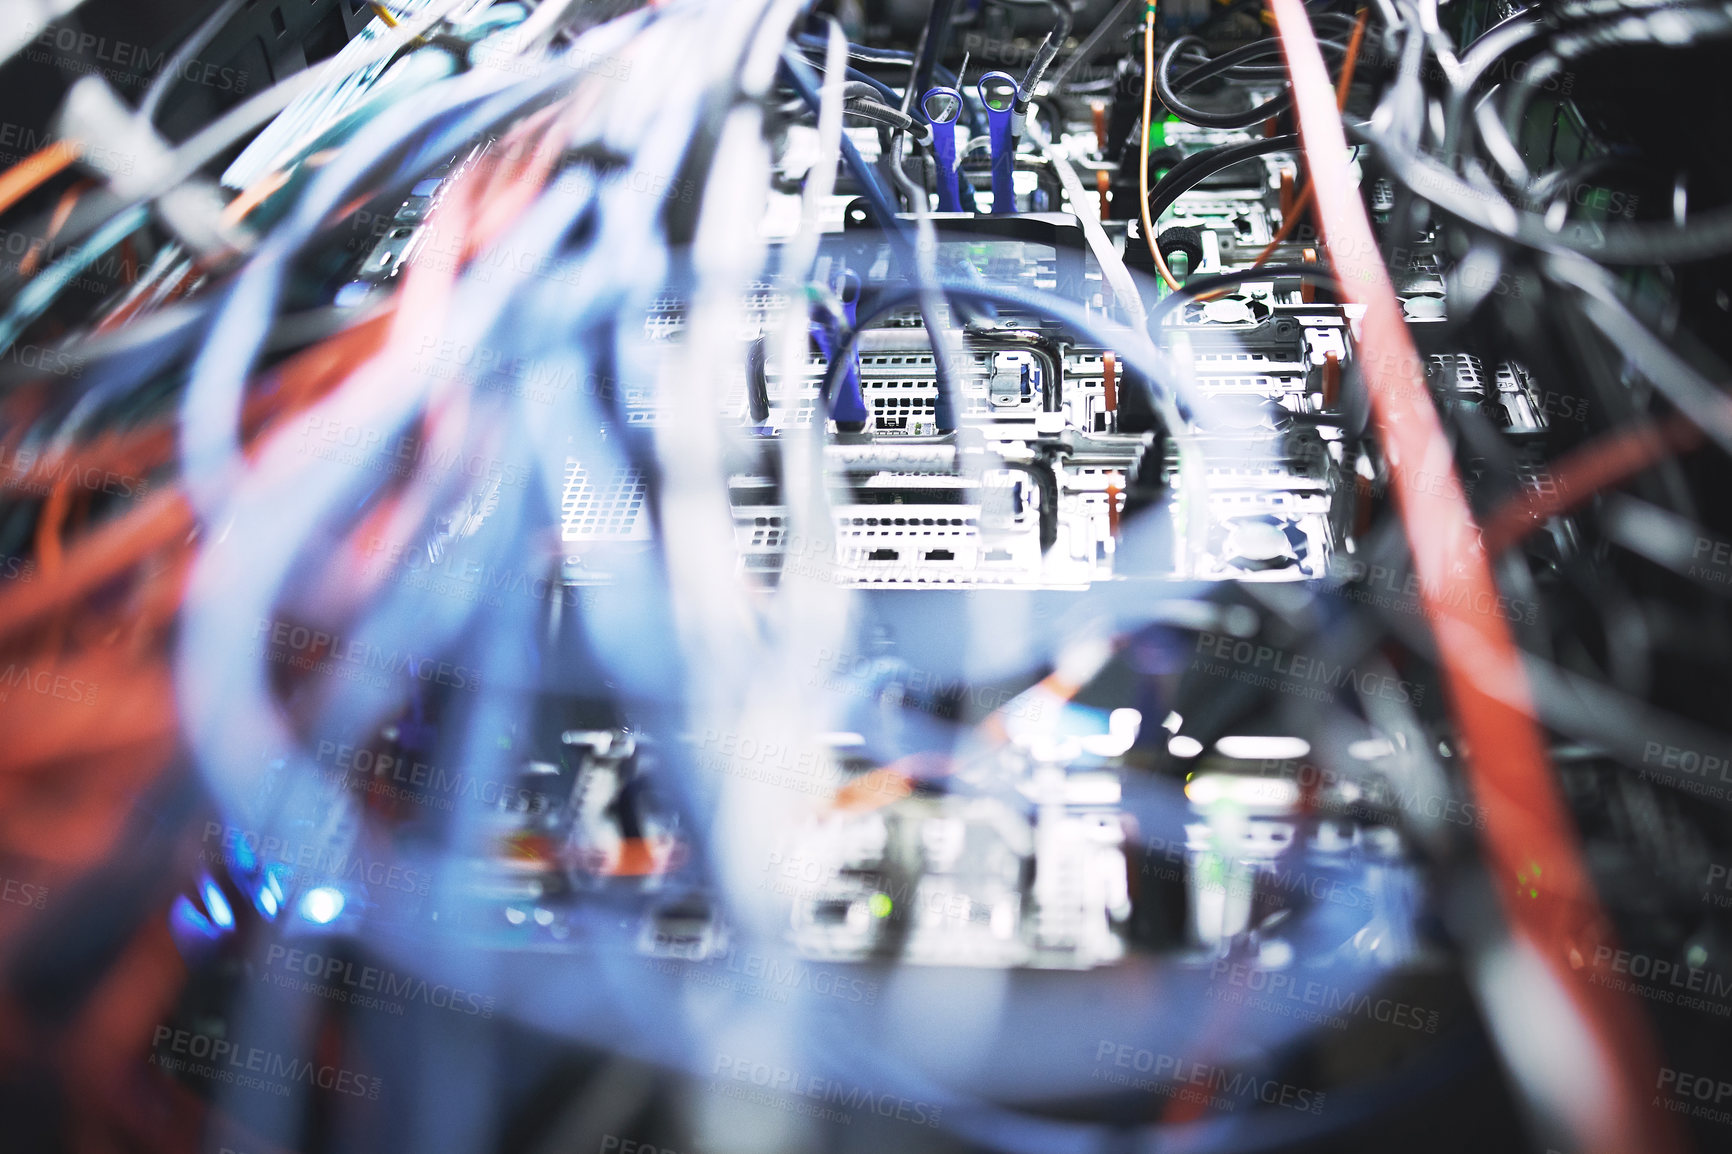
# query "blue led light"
(220, 913)
(322, 905)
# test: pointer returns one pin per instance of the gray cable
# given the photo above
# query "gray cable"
(163, 82)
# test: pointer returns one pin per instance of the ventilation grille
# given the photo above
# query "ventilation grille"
(1233, 358)
(1537, 478)
(610, 511)
(1262, 384)
(1456, 372)
(666, 318)
(901, 406)
(762, 533)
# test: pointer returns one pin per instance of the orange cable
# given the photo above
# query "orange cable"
(34, 170)
(1528, 837)
(1585, 471)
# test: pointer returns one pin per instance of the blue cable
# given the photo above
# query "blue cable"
(942, 106)
(35, 297)
(211, 404)
(1134, 349)
(883, 204)
(976, 120)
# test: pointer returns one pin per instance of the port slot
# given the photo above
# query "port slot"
(882, 555)
(940, 555)
(998, 554)
(831, 913)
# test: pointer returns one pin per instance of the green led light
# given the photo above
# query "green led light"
(880, 905)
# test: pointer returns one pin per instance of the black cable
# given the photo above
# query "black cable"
(758, 382)
(890, 58)
(1194, 115)
(872, 112)
(1087, 49)
(1706, 238)
(1201, 165)
(1194, 286)
(1238, 60)
(164, 81)
(1674, 26)
(855, 76)
(1063, 21)
(882, 57)
(1168, 88)
(932, 47)
(1494, 45)
(883, 205)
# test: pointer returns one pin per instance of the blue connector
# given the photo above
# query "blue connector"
(942, 107)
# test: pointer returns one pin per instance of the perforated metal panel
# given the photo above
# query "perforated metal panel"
(901, 391)
(612, 510)
(666, 318)
(1537, 478)
(1457, 373)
